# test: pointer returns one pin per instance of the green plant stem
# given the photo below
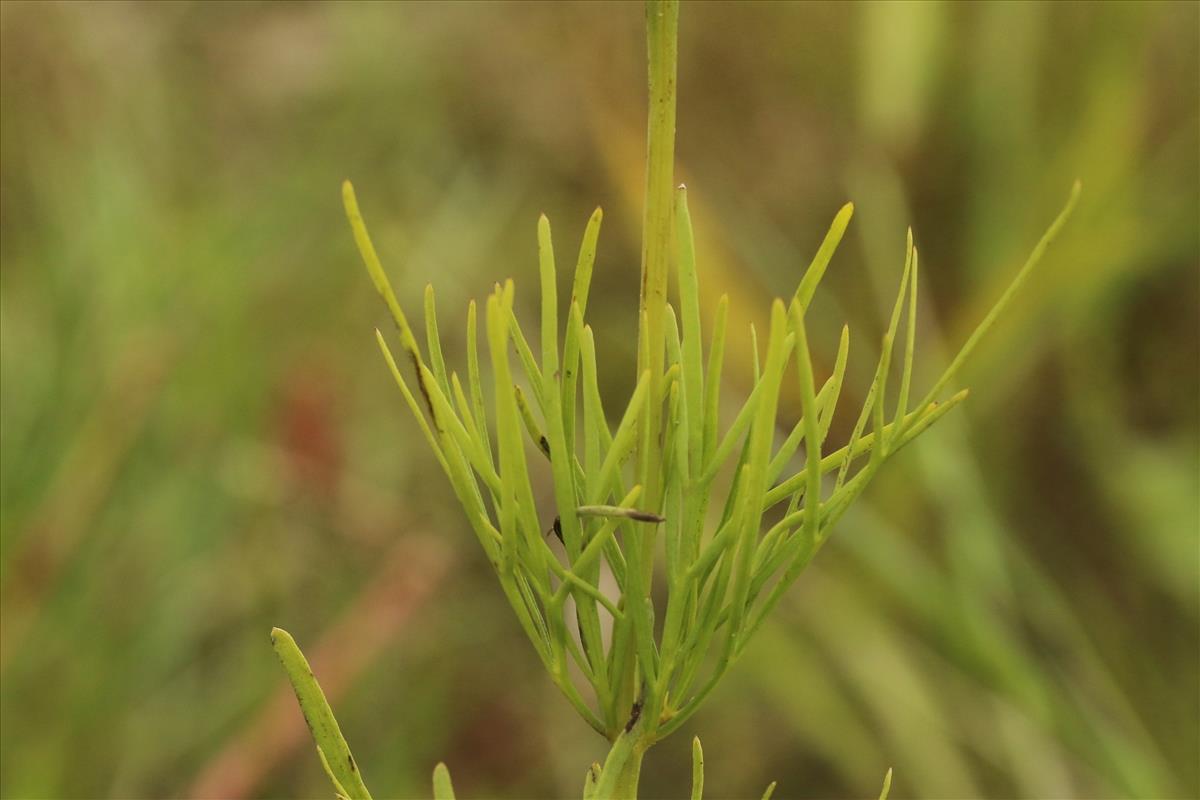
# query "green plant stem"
(627, 781)
(662, 23)
(623, 765)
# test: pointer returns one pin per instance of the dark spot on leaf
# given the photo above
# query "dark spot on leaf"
(556, 529)
(634, 715)
(421, 384)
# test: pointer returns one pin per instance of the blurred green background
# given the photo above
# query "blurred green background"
(200, 440)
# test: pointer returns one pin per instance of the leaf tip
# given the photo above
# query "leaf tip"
(887, 785)
(349, 202)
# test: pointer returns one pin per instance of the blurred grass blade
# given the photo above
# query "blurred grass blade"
(697, 769)
(887, 785)
(332, 746)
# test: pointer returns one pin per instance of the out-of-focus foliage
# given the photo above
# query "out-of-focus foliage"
(198, 441)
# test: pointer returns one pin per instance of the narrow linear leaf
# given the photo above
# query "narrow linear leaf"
(887, 785)
(549, 277)
(332, 747)
(410, 400)
(1034, 257)
(442, 788)
(697, 769)
(909, 342)
(433, 340)
(339, 791)
(712, 384)
(591, 780)
(616, 511)
(692, 353)
(808, 400)
(473, 377)
(375, 269)
(579, 298)
(816, 269)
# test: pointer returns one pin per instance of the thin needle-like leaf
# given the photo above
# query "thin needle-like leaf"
(325, 731)
(1006, 298)
(623, 440)
(375, 269)
(816, 269)
(808, 403)
(536, 434)
(548, 273)
(712, 383)
(873, 405)
(433, 341)
(909, 341)
(735, 434)
(692, 355)
(753, 480)
(887, 785)
(826, 404)
(916, 422)
(473, 377)
(442, 788)
(579, 298)
(532, 371)
(697, 769)
(411, 401)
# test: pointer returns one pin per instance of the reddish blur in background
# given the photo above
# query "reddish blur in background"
(200, 441)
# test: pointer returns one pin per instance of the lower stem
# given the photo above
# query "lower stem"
(627, 781)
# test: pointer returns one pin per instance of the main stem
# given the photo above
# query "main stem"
(627, 783)
(662, 25)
